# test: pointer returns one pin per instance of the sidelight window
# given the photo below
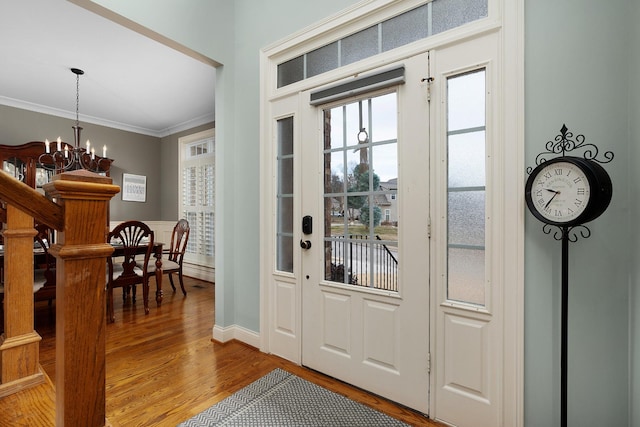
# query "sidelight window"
(466, 141)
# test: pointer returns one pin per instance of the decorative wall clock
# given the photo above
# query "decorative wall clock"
(566, 192)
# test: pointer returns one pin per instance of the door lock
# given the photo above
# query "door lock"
(307, 224)
(305, 244)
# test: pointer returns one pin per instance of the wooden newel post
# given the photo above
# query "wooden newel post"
(80, 251)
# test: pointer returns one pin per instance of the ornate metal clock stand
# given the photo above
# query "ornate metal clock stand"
(569, 231)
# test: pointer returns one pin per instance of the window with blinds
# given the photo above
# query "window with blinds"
(197, 195)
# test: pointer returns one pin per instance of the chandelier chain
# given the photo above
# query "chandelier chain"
(77, 99)
(74, 157)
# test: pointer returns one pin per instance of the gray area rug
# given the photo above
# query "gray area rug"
(283, 399)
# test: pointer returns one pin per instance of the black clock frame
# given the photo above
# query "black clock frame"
(601, 193)
(601, 190)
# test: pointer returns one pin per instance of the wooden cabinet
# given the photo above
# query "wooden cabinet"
(23, 162)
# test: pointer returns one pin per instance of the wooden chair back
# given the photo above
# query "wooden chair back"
(179, 239)
(133, 241)
(129, 236)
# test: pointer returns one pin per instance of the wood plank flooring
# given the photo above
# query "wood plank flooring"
(164, 368)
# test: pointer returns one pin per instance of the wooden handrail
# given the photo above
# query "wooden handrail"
(30, 201)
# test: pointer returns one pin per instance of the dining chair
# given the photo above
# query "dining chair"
(174, 255)
(45, 264)
(134, 243)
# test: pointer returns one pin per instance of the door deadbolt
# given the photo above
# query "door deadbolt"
(307, 224)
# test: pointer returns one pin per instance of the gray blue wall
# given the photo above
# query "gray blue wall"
(580, 69)
(155, 158)
(634, 209)
(132, 153)
(577, 56)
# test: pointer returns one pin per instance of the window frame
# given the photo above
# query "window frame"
(183, 143)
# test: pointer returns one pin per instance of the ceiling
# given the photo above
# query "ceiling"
(130, 81)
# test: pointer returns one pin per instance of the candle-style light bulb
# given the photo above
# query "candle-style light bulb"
(104, 151)
(93, 153)
(46, 146)
(59, 146)
(66, 151)
(88, 146)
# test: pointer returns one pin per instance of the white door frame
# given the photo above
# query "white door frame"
(507, 18)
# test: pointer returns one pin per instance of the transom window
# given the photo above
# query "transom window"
(424, 21)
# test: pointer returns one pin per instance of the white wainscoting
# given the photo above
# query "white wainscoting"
(162, 231)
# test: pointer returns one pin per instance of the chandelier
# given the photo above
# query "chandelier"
(60, 159)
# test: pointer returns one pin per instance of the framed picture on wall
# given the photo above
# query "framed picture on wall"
(134, 188)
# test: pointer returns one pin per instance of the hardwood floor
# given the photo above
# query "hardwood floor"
(164, 368)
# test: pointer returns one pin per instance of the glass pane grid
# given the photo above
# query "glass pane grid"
(359, 249)
(198, 197)
(416, 24)
(284, 195)
(466, 141)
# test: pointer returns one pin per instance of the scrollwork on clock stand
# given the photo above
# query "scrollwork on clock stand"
(564, 143)
(572, 233)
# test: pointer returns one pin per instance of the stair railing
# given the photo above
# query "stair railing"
(76, 205)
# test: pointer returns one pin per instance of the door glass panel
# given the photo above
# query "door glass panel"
(284, 207)
(360, 213)
(466, 141)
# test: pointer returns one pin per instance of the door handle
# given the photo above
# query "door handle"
(305, 244)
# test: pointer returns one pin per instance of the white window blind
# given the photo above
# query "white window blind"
(198, 195)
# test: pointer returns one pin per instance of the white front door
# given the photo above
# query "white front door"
(365, 268)
(393, 257)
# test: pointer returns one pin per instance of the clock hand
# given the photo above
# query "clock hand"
(555, 193)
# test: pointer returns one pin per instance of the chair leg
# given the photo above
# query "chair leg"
(184, 292)
(171, 281)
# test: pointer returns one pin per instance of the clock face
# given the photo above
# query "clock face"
(567, 191)
(559, 192)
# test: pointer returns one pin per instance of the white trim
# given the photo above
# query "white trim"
(225, 334)
(513, 47)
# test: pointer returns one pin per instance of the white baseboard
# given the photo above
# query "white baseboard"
(199, 272)
(235, 332)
